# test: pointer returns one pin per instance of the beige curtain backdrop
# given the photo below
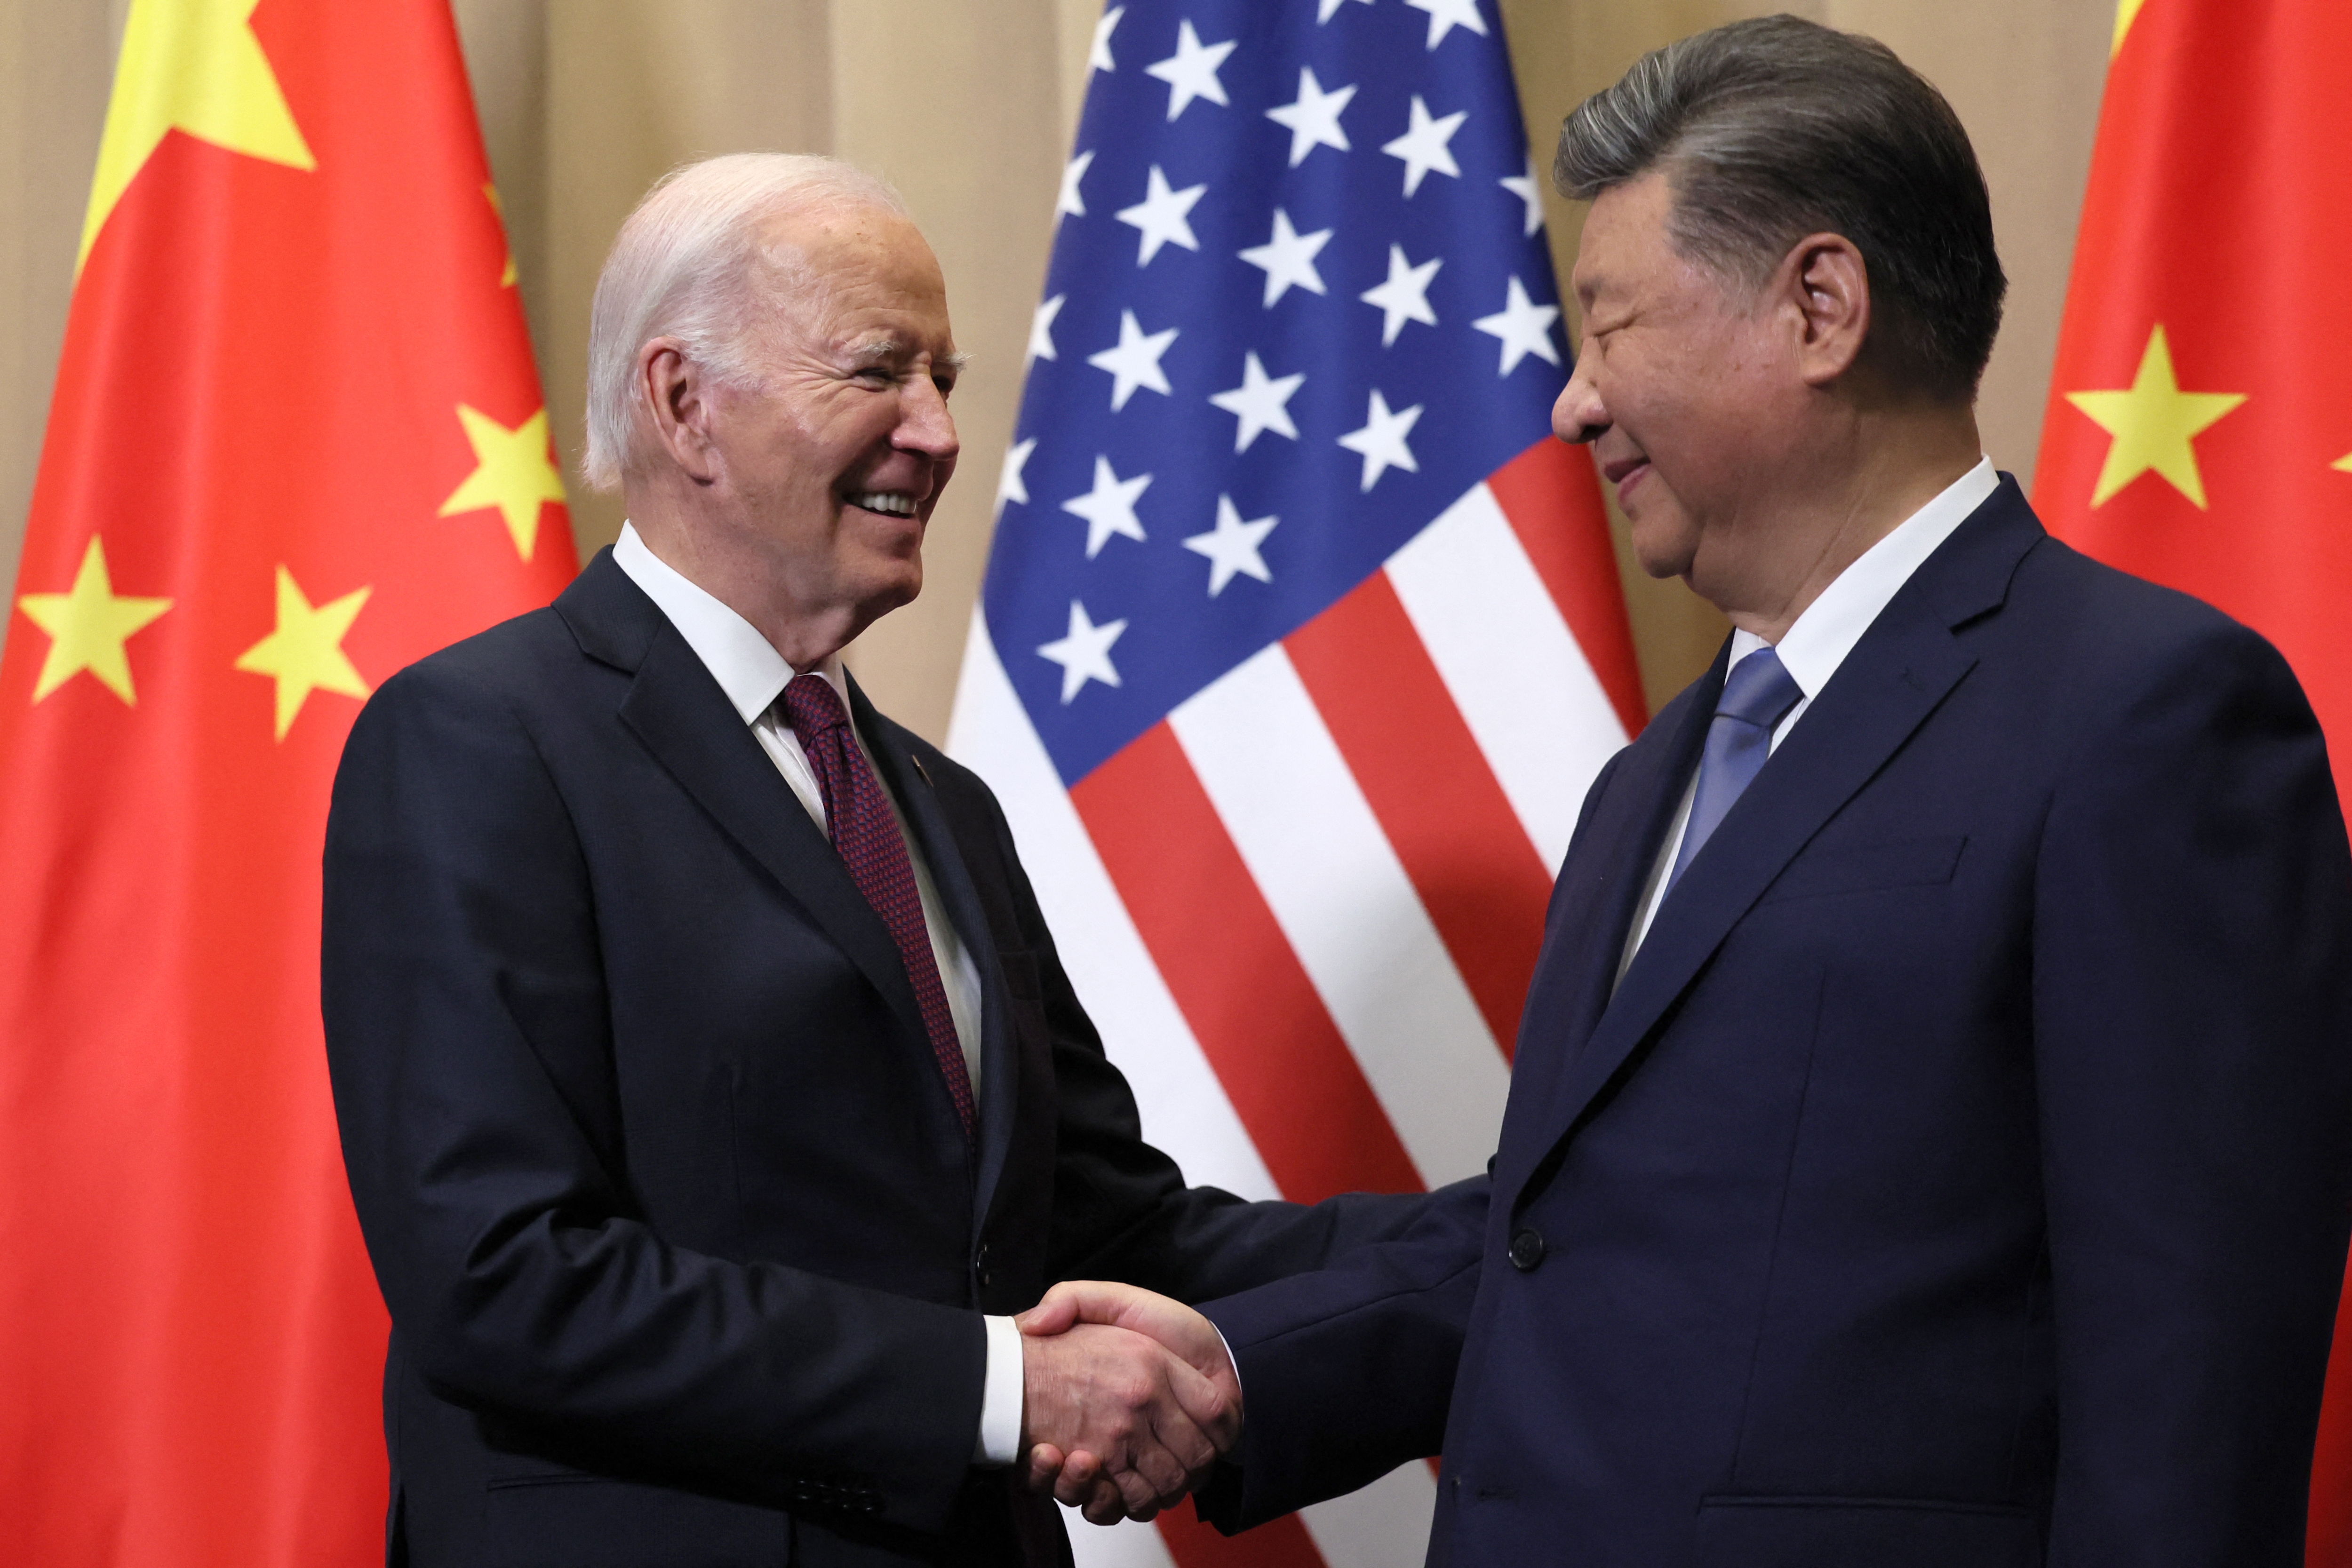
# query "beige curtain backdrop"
(968, 105)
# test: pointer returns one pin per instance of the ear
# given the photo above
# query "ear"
(678, 394)
(1826, 286)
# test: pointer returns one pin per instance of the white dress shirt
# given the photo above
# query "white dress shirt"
(753, 675)
(1818, 641)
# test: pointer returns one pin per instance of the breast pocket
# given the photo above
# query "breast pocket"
(1868, 868)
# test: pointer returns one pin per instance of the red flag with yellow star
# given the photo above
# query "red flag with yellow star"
(297, 442)
(2200, 425)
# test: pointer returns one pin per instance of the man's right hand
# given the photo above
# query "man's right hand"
(1083, 1475)
(1152, 1422)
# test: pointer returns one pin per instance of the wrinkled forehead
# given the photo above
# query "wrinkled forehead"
(860, 270)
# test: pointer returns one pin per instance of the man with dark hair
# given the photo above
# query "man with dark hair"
(1932, 1122)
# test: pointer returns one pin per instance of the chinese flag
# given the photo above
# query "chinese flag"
(2200, 426)
(297, 442)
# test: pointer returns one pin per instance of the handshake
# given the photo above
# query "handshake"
(1129, 1399)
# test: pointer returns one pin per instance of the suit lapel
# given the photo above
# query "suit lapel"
(1897, 675)
(903, 775)
(677, 708)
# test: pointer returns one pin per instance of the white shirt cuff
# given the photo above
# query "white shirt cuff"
(1000, 1396)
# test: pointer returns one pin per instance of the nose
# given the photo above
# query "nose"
(924, 424)
(1580, 415)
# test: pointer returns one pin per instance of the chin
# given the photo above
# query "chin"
(891, 587)
(1662, 550)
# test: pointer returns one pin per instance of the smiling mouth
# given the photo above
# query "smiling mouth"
(889, 503)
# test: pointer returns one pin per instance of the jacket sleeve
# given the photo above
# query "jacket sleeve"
(1348, 1371)
(2192, 1029)
(470, 1054)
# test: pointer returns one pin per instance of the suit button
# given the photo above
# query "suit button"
(1526, 1250)
(979, 1265)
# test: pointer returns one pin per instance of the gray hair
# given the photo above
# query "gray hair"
(694, 262)
(1775, 127)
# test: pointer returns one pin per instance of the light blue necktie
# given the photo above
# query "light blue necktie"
(1757, 695)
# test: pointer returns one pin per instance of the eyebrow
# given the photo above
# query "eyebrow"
(879, 350)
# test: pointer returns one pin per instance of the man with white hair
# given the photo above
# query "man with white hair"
(709, 1087)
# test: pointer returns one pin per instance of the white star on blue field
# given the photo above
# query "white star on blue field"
(1299, 303)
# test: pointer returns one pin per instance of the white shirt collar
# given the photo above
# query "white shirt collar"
(1818, 641)
(746, 665)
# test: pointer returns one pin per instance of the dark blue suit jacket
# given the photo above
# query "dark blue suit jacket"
(680, 1235)
(1956, 1180)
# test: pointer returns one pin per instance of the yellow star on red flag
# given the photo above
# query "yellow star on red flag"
(88, 626)
(192, 65)
(2153, 422)
(305, 654)
(513, 472)
(282, 190)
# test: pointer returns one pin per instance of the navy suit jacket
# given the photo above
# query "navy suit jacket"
(684, 1246)
(1958, 1178)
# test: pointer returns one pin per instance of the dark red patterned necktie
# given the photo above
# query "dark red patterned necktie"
(859, 816)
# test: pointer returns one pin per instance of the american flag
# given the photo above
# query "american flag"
(1301, 638)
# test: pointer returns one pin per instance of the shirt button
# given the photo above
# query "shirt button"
(1526, 1250)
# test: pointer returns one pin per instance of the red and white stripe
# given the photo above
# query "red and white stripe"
(1304, 908)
